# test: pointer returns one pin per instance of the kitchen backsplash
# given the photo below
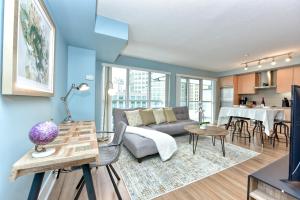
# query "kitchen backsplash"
(271, 97)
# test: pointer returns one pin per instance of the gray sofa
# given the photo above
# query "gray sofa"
(140, 146)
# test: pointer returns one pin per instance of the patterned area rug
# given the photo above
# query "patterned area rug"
(153, 178)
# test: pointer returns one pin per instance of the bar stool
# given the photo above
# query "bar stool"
(259, 128)
(241, 129)
(283, 128)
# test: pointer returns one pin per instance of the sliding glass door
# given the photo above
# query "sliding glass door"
(207, 100)
(194, 97)
(195, 93)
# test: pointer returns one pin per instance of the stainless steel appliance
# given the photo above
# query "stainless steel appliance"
(226, 97)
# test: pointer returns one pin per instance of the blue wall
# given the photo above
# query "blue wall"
(80, 26)
(19, 113)
(81, 62)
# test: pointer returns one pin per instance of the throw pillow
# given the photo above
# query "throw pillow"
(147, 116)
(134, 118)
(159, 116)
(170, 115)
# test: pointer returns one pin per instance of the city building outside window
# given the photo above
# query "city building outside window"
(195, 92)
(139, 88)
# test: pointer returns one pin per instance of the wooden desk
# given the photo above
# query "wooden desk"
(76, 145)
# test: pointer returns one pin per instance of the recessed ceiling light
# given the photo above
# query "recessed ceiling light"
(246, 66)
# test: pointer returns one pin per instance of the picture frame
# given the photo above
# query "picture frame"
(28, 49)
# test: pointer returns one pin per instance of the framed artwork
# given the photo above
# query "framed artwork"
(28, 49)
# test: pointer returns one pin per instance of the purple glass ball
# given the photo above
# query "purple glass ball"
(43, 133)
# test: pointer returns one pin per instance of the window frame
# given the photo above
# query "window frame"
(149, 71)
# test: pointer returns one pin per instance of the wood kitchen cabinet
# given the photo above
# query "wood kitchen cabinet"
(285, 79)
(226, 81)
(246, 83)
(296, 75)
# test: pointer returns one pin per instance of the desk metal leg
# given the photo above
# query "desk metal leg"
(36, 186)
(88, 181)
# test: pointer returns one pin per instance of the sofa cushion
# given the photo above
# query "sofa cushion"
(170, 115)
(173, 128)
(181, 113)
(134, 118)
(120, 116)
(159, 116)
(147, 116)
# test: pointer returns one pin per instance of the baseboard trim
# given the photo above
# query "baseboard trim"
(47, 186)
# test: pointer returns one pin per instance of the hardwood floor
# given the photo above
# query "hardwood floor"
(228, 184)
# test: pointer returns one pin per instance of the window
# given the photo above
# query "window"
(183, 92)
(138, 88)
(119, 84)
(194, 93)
(158, 90)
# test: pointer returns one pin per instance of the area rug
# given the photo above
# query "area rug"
(153, 178)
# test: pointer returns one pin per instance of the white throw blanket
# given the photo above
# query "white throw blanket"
(166, 144)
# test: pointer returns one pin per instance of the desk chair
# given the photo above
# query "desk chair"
(109, 154)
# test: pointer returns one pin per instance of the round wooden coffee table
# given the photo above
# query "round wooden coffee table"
(212, 131)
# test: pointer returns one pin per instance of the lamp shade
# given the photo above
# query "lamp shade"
(83, 87)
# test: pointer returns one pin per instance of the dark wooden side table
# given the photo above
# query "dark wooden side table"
(267, 183)
(212, 131)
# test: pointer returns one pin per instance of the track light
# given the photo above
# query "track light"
(259, 65)
(289, 58)
(273, 61)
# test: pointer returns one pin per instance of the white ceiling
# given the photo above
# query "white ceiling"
(207, 34)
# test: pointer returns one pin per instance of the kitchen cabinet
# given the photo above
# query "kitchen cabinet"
(284, 79)
(246, 83)
(226, 81)
(296, 75)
